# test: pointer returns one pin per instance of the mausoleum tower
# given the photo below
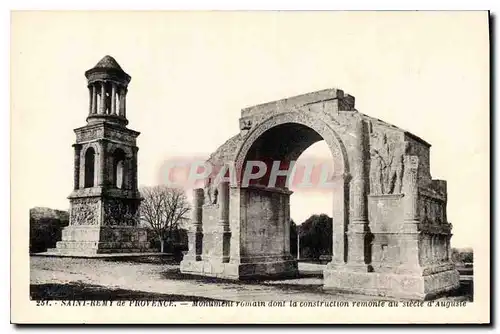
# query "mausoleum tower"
(104, 204)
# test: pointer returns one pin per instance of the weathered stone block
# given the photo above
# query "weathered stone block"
(411, 286)
(391, 234)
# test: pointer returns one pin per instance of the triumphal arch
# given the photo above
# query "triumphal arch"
(391, 236)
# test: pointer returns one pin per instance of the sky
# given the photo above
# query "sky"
(193, 72)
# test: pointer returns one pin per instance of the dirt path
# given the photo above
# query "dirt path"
(165, 279)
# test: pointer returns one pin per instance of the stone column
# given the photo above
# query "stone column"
(442, 248)
(409, 238)
(298, 242)
(133, 172)
(103, 98)
(434, 245)
(91, 97)
(447, 245)
(237, 197)
(113, 99)
(340, 218)
(94, 99)
(223, 224)
(286, 203)
(358, 248)
(102, 163)
(410, 191)
(123, 95)
(76, 170)
(439, 248)
(195, 234)
(359, 178)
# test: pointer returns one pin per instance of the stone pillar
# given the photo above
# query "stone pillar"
(76, 170)
(123, 95)
(195, 234)
(298, 242)
(442, 248)
(359, 178)
(113, 99)
(409, 239)
(91, 95)
(223, 224)
(410, 191)
(237, 196)
(103, 98)
(434, 246)
(447, 245)
(102, 164)
(358, 254)
(133, 172)
(94, 99)
(340, 218)
(286, 203)
(439, 248)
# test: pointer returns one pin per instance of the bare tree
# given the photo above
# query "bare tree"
(163, 208)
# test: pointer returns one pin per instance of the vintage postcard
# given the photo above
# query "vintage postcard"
(250, 167)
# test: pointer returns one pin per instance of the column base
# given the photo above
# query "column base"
(418, 286)
(277, 268)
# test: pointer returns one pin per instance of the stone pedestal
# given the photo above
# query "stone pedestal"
(409, 256)
(245, 245)
(90, 241)
(426, 284)
(100, 224)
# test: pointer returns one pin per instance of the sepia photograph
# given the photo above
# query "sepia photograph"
(327, 167)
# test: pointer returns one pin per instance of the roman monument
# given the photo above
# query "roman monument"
(104, 204)
(391, 235)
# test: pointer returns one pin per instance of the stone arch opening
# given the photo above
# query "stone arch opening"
(312, 202)
(89, 162)
(277, 146)
(285, 143)
(276, 128)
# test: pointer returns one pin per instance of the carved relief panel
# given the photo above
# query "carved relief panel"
(386, 163)
(211, 193)
(431, 210)
(89, 133)
(120, 212)
(84, 211)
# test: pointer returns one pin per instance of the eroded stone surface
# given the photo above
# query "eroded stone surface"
(104, 204)
(391, 235)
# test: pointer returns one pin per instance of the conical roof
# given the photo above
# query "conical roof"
(108, 62)
(107, 69)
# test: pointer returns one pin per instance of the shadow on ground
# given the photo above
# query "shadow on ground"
(80, 291)
(175, 274)
(152, 259)
(464, 292)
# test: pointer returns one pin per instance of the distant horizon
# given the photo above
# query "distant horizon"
(463, 248)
